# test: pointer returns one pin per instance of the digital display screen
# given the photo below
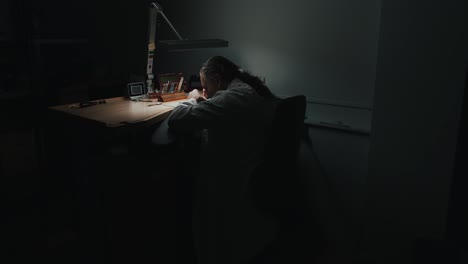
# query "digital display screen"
(137, 89)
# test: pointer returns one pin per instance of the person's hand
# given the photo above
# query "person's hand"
(195, 94)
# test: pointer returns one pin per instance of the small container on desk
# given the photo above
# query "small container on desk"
(171, 87)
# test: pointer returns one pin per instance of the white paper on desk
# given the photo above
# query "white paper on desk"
(175, 103)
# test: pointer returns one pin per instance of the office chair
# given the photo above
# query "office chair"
(276, 187)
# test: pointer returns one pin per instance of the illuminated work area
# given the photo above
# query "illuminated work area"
(233, 131)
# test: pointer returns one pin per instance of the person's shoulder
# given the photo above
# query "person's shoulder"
(234, 97)
(238, 84)
(239, 88)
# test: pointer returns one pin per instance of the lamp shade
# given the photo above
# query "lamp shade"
(180, 45)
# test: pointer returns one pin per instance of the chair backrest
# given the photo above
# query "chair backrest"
(275, 183)
(287, 130)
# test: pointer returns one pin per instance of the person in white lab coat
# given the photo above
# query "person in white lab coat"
(235, 110)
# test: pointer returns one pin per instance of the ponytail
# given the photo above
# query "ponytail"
(255, 82)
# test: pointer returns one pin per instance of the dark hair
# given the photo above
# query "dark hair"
(224, 70)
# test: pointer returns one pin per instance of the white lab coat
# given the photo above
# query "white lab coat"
(227, 227)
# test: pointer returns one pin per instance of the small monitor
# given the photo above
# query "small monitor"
(136, 90)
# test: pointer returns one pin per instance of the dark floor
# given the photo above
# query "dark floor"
(122, 205)
(107, 206)
(106, 209)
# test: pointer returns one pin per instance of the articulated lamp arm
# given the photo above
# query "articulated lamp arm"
(155, 9)
(159, 10)
(180, 44)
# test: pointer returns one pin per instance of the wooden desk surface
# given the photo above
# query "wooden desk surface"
(120, 111)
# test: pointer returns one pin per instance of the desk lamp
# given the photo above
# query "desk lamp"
(171, 45)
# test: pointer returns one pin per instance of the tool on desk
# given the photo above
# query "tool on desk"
(91, 103)
(143, 100)
(157, 103)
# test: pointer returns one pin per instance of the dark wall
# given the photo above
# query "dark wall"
(106, 46)
(5, 22)
(338, 189)
(420, 81)
(73, 51)
(323, 49)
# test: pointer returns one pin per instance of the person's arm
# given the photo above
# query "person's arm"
(199, 97)
(193, 116)
(219, 110)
